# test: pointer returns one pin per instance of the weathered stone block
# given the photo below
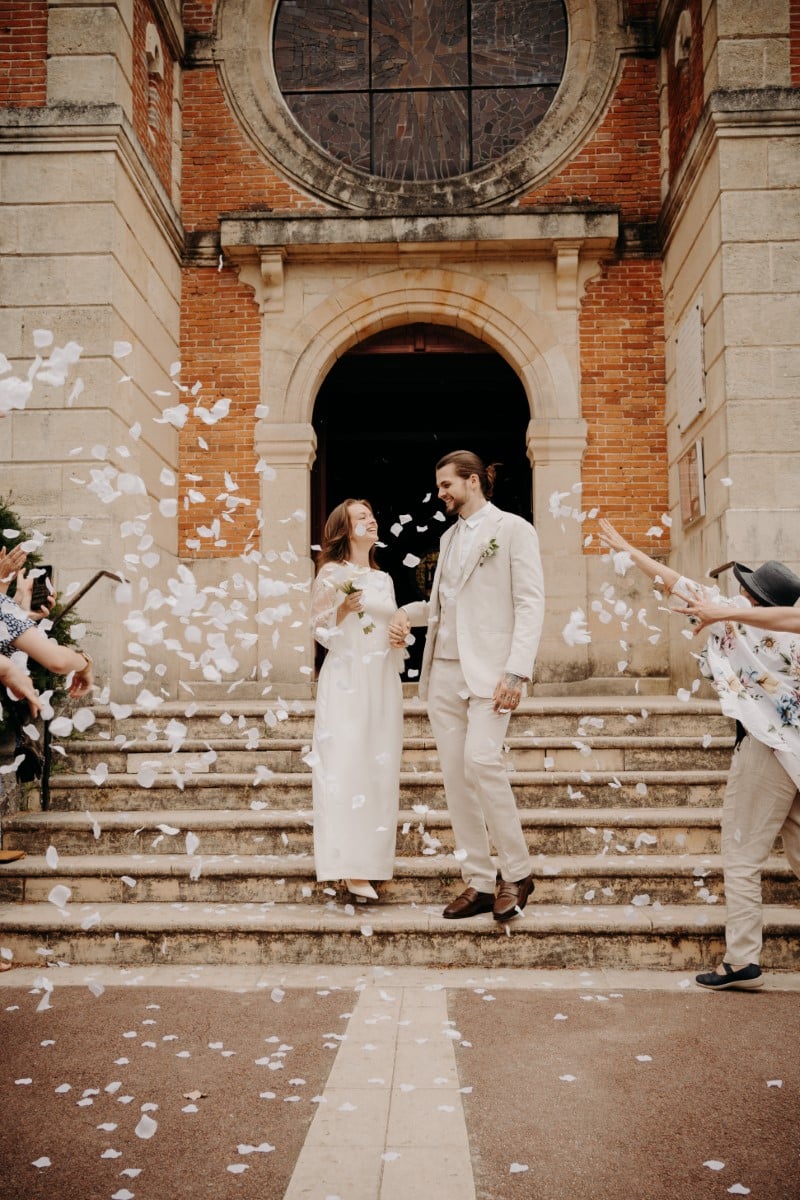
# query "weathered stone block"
(760, 216)
(753, 63)
(766, 321)
(743, 19)
(90, 31)
(88, 79)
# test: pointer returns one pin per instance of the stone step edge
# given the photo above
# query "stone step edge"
(160, 920)
(193, 819)
(295, 779)
(543, 866)
(547, 705)
(517, 742)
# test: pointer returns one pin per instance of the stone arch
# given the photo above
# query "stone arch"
(523, 338)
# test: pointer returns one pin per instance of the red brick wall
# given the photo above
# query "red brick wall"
(23, 53)
(222, 171)
(794, 40)
(221, 348)
(622, 390)
(621, 322)
(619, 164)
(684, 88)
(152, 97)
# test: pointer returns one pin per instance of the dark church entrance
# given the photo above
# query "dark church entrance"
(387, 411)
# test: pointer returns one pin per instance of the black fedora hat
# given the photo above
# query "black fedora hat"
(772, 584)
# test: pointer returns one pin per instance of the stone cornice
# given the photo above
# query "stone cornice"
(244, 236)
(747, 113)
(93, 128)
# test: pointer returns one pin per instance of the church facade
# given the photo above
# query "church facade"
(308, 246)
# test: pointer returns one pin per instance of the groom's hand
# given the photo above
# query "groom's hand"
(399, 629)
(508, 693)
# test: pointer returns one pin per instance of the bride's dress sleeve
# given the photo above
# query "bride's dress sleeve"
(325, 600)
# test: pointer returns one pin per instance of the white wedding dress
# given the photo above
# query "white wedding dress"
(358, 728)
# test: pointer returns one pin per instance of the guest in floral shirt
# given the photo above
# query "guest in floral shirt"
(755, 670)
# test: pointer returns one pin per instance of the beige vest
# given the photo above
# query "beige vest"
(446, 637)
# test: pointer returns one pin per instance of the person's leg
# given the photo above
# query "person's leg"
(447, 712)
(486, 771)
(790, 831)
(759, 798)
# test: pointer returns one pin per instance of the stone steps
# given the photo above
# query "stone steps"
(533, 789)
(656, 716)
(283, 755)
(290, 879)
(669, 937)
(677, 830)
(619, 798)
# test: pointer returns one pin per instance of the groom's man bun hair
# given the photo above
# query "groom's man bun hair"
(466, 463)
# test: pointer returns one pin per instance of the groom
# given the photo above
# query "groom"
(484, 620)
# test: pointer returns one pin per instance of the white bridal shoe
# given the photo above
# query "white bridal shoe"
(360, 887)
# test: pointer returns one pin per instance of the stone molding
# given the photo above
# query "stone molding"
(93, 129)
(241, 53)
(289, 444)
(751, 113)
(243, 235)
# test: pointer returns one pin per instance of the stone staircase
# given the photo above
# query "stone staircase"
(196, 846)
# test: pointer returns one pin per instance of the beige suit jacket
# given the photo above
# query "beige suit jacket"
(500, 604)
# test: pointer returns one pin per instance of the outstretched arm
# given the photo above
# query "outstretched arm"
(61, 660)
(779, 619)
(658, 572)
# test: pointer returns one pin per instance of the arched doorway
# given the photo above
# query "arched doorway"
(388, 410)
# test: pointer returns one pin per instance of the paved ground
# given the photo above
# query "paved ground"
(375, 1085)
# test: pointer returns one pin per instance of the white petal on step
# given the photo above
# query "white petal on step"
(238, 1168)
(146, 1127)
(51, 857)
(60, 895)
(739, 1189)
(778, 1083)
(517, 1168)
(41, 1162)
(714, 1164)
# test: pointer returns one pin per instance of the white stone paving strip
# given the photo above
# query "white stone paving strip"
(391, 1113)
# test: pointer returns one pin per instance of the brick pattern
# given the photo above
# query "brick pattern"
(794, 40)
(220, 347)
(623, 397)
(222, 171)
(684, 88)
(23, 53)
(619, 164)
(152, 97)
(198, 17)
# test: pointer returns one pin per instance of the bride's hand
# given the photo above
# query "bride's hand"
(704, 613)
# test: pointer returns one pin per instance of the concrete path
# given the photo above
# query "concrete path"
(308, 1083)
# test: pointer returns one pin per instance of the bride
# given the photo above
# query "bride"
(358, 727)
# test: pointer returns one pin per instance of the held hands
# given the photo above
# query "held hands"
(399, 629)
(508, 693)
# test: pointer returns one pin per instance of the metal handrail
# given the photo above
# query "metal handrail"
(47, 756)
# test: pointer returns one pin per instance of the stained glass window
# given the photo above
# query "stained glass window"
(419, 89)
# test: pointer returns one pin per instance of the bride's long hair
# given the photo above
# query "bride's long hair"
(336, 535)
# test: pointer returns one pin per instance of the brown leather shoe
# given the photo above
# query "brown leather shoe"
(511, 898)
(9, 856)
(469, 904)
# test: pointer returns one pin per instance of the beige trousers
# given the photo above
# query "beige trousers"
(469, 737)
(761, 801)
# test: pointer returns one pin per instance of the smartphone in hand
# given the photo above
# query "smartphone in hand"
(43, 589)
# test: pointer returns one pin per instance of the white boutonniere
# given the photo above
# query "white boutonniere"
(489, 551)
